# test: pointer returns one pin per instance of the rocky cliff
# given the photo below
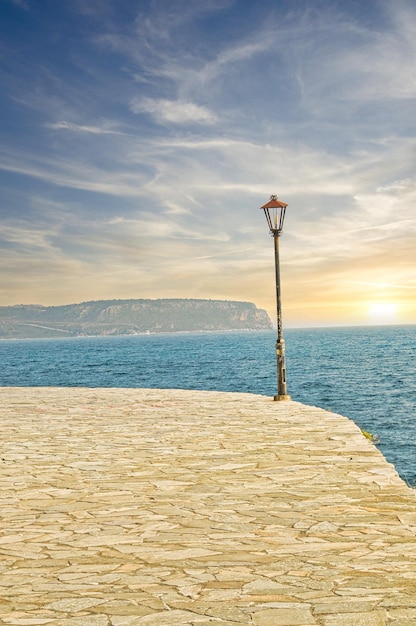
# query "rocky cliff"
(129, 317)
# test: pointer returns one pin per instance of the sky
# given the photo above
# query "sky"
(139, 139)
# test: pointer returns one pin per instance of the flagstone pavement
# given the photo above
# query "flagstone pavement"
(125, 507)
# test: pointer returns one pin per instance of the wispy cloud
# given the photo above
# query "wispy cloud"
(137, 155)
(174, 111)
(356, 63)
(79, 128)
(228, 253)
(74, 174)
(383, 285)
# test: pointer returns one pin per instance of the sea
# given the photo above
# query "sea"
(365, 373)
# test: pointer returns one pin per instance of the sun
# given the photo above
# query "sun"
(383, 312)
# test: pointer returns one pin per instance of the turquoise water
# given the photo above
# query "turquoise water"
(367, 374)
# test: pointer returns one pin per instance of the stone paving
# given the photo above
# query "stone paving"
(125, 507)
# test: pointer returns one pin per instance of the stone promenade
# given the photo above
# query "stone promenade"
(125, 507)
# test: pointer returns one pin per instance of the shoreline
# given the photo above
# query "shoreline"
(288, 329)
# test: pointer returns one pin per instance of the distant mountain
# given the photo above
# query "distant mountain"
(129, 317)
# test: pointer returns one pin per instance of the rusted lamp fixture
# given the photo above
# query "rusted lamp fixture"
(274, 211)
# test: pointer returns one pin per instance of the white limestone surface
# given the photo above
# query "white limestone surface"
(125, 507)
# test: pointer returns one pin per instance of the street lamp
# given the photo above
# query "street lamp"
(274, 211)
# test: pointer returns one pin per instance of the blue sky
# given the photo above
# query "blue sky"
(139, 139)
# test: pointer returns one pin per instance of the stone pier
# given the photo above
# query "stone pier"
(125, 507)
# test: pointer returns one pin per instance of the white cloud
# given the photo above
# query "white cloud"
(79, 128)
(25, 237)
(341, 65)
(162, 228)
(190, 79)
(313, 103)
(174, 111)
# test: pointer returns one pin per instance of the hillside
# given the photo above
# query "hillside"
(129, 317)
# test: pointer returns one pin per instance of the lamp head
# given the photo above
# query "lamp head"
(274, 211)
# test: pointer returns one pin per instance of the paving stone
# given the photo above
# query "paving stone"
(374, 618)
(28, 621)
(73, 605)
(283, 617)
(85, 620)
(173, 618)
(143, 506)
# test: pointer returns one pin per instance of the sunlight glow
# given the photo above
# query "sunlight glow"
(383, 312)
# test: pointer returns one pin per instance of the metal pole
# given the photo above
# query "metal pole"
(280, 343)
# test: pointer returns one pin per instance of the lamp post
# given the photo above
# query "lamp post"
(274, 211)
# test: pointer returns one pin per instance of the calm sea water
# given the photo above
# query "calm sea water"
(367, 374)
